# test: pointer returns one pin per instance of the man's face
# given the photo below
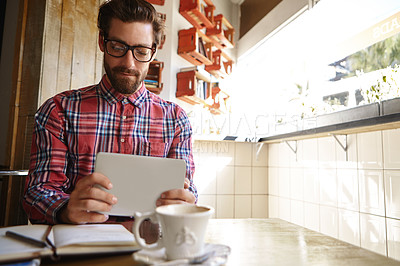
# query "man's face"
(126, 73)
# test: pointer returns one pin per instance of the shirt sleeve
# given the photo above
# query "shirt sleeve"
(47, 183)
(181, 147)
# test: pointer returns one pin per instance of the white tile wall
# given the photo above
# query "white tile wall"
(273, 181)
(393, 238)
(232, 178)
(284, 209)
(349, 226)
(311, 185)
(347, 159)
(391, 153)
(327, 152)
(259, 179)
(373, 233)
(226, 180)
(243, 206)
(273, 155)
(284, 182)
(369, 150)
(243, 180)
(259, 206)
(273, 207)
(353, 196)
(297, 212)
(311, 216)
(328, 187)
(260, 155)
(392, 195)
(371, 189)
(225, 206)
(329, 221)
(243, 154)
(310, 153)
(297, 183)
(348, 189)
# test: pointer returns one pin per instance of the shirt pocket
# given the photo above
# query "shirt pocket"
(154, 149)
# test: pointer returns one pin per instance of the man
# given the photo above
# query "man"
(117, 115)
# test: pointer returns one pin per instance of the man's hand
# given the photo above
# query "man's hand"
(176, 196)
(86, 201)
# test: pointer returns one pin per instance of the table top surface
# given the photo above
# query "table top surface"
(268, 242)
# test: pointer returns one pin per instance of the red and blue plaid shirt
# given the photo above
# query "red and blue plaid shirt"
(73, 126)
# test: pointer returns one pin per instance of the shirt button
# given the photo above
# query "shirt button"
(124, 117)
(122, 140)
(125, 100)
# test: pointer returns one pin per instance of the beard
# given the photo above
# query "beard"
(124, 85)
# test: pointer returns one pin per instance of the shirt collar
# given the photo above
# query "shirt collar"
(113, 96)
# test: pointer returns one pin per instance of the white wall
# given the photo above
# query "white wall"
(231, 178)
(356, 201)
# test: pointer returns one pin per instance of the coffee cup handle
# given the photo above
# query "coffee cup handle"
(139, 218)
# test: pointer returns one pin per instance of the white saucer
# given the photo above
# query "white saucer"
(157, 257)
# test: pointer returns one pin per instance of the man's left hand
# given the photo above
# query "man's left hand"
(176, 196)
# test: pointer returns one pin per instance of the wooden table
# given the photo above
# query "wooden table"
(269, 242)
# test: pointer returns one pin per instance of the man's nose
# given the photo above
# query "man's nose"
(129, 60)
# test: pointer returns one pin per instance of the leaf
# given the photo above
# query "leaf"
(384, 78)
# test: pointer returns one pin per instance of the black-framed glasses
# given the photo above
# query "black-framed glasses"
(119, 49)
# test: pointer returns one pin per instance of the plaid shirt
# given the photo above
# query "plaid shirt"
(73, 126)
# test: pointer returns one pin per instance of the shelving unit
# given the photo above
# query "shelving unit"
(192, 46)
(153, 79)
(222, 64)
(156, 2)
(220, 99)
(163, 37)
(203, 45)
(222, 33)
(193, 87)
(200, 13)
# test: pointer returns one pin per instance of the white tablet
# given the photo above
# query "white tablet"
(138, 181)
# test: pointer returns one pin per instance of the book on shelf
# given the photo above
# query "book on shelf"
(65, 240)
(152, 86)
(202, 49)
(151, 83)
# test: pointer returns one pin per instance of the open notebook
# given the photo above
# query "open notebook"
(138, 181)
(66, 240)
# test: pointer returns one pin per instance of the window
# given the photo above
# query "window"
(321, 62)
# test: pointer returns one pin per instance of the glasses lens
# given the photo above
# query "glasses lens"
(115, 48)
(143, 54)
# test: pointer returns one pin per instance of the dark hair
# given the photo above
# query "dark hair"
(129, 11)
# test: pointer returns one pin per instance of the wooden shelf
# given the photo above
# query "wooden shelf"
(163, 37)
(222, 33)
(203, 45)
(153, 78)
(156, 2)
(222, 64)
(193, 87)
(219, 98)
(200, 14)
(192, 46)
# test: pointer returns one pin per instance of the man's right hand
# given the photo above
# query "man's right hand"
(87, 200)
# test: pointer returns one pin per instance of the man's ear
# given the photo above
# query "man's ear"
(154, 55)
(101, 42)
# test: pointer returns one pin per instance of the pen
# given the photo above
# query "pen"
(26, 239)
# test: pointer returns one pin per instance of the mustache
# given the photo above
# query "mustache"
(126, 70)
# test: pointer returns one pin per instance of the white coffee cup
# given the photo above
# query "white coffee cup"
(182, 226)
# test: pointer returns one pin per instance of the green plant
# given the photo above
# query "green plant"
(386, 86)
